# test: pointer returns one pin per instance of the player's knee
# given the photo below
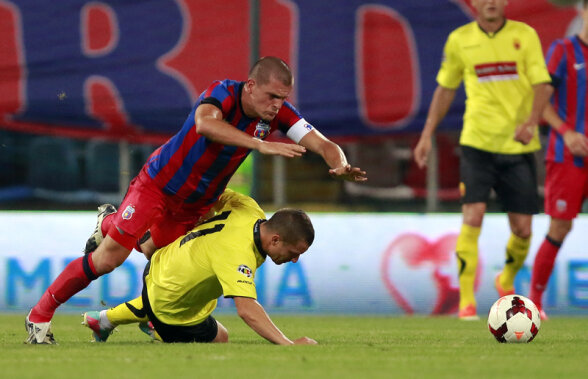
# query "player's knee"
(222, 335)
(109, 256)
(558, 230)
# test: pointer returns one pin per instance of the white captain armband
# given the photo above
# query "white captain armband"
(299, 130)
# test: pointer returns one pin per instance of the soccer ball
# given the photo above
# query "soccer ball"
(514, 318)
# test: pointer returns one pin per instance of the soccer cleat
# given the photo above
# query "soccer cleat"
(39, 332)
(468, 313)
(97, 237)
(92, 321)
(501, 291)
(147, 328)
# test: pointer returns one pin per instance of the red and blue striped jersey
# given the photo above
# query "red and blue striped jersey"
(197, 169)
(566, 62)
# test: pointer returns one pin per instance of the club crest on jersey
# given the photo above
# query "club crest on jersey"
(128, 212)
(261, 130)
(516, 43)
(243, 269)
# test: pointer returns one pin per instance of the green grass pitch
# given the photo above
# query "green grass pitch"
(349, 347)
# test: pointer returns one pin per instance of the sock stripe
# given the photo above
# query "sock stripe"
(87, 266)
(553, 242)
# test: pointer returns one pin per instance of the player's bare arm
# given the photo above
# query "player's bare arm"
(333, 156)
(442, 99)
(255, 316)
(576, 142)
(210, 123)
(524, 132)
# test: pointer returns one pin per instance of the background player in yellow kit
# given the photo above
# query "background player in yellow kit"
(501, 64)
(219, 257)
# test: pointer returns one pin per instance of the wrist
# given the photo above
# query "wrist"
(563, 128)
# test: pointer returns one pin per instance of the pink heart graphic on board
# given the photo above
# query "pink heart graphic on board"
(413, 267)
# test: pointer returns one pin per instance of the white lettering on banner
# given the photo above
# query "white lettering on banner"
(358, 264)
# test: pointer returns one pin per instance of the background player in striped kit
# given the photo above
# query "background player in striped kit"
(566, 171)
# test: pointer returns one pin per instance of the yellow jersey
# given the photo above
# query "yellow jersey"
(218, 257)
(498, 71)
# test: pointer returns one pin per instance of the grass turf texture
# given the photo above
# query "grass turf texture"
(350, 347)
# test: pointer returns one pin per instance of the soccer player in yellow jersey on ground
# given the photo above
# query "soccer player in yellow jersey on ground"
(506, 83)
(219, 257)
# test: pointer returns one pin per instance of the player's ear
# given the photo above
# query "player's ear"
(249, 84)
(276, 239)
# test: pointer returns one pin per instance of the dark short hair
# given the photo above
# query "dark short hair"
(293, 225)
(585, 3)
(267, 67)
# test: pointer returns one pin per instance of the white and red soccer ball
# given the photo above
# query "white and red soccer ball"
(514, 318)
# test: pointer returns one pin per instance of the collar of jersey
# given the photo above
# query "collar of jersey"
(496, 32)
(257, 237)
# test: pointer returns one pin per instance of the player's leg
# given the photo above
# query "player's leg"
(566, 187)
(102, 323)
(112, 252)
(517, 249)
(545, 260)
(466, 250)
(75, 277)
(477, 177)
(222, 335)
(517, 190)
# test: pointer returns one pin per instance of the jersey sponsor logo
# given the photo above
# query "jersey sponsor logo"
(261, 130)
(496, 71)
(245, 270)
(128, 212)
(579, 66)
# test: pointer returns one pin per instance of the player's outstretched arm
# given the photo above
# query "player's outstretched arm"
(210, 123)
(334, 156)
(255, 316)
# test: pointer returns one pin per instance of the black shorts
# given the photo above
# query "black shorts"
(512, 176)
(203, 332)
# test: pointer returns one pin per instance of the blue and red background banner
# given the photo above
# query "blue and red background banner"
(132, 69)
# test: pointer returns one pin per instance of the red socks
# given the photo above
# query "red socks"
(542, 268)
(75, 277)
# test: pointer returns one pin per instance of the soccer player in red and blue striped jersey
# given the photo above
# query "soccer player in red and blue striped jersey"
(183, 178)
(566, 171)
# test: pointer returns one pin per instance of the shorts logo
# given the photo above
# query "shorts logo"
(261, 130)
(561, 205)
(243, 269)
(128, 213)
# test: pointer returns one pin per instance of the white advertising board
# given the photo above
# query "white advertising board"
(359, 264)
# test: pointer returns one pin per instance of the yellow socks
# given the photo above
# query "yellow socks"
(127, 313)
(516, 252)
(466, 250)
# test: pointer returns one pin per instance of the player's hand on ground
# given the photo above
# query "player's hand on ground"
(305, 341)
(524, 133)
(288, 150)
(421, 151)
(351, 174)
(576, 142)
